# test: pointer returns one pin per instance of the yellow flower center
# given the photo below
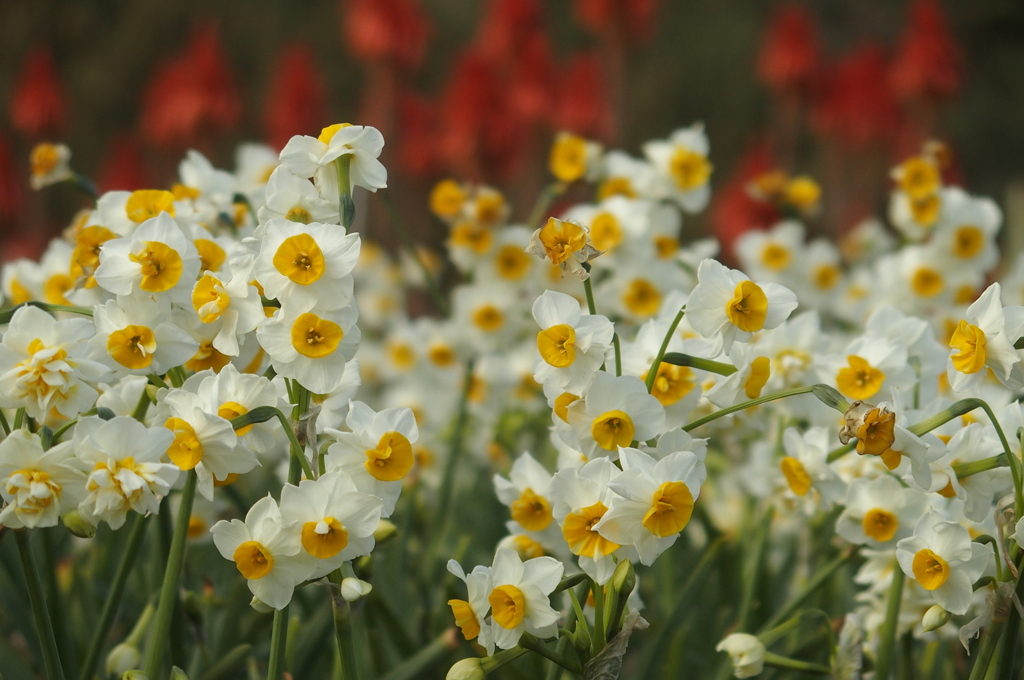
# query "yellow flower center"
(528, 548)
(402, 354)
(211, 255)
(859, 380)
(970, 341)
(160, 266)
(605, 232)
(512, 263)
(642, 298)
(488, 318)
(43, 159)
(612, 430)
(253, 560)
(968, 242)
(557, 345)
(760, 371)
(508, 606)
(441, 355)
(568, 161)
(299, 214)
(447, 199)
(926, 211)
(672, 383)
(489, 207)
(300, 259)
(927, 282)
(324, 539)
(930, 570)
(392, 459)
(132, 346)
(562, 403)
(880, 525)
(775, 256)
(919, 178)
(689, 169)
(314, 337)
(615, 186)
(473, 236)
(562, 239)
(327, 134)
(209, 298)
(88, 243)
(34, 490)
(578, 530)
(802, 193)
(665, 246)
(55, 288)
(182, 192)
(748, 307)
(531, 511)
(826, 276)
(230, 410)
(208, 356)
(186, 451)
(671, 507)
(465, 618)
(796, 475)
(877, 433)
(148, 203)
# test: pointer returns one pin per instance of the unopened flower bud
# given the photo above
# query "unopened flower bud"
(746, 652)
(384, 531)
(74, 523)
(936, 617)
(260, 606)
(122, 659)
(177, 674)
(352, 589)
(467, 669)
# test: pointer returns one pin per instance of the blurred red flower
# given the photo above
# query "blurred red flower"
(192, 94)
(296, 101)
(790, 55)
(928, 62)
(123, 168)
(633, 20)
(584, 106)
(395, 31)
(11, 196)
(417, 141)
(38, 102)
(733, 210)
(855, 104)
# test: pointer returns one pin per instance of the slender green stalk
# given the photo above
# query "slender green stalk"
(963, 470)
(776, 661)
(819, 579)
(19, 419)
(988, 649)
(433, 288)
(62, 430)
(550, 193)
(680, 359)
(753, 570)
(652, 372)
(228, 665)
(581, 620)
(8, 314)
(4, 424)
(110, 605)
(588, 288)
(44, 629)
(598, 640)
(346, 208)
(836, 454)
(721, 413)
(169, 590)
(262, 414)
(570, 582)
(1011, 643)
(528, 641)
(887, 636)
(343, 631)
(278, 642)
(618, 354)
(454, 454)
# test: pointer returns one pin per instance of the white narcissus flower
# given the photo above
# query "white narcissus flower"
(941, 557)
(310, 344)
(752, 374)
(615, 411)
(294, 198)
(377, 453)
(774, 254)
(566, 244)
(519, 597)
(866, 367)
(260, 548)
(971, 444)
(746, 652)
(230, 299)
(471, 613)
(526, 493)
(572, 346)
(134, 335)
(806, 469)
(121, 457)
(203, 442)
(47, 364)
(984, 338)
(654, 501)
(230, 394)
(157, 260)
(334, 521)
(49, 164)
(581, 498)
(307, 264)
(728, 307)
(682, 166)
(879, 512)
(966, 233)
(37, 485)
(312, 157)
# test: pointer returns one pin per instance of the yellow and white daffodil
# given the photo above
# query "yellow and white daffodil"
(614, 412)
(572, 346)
(984, 339)
(38, 486)
(312, 157)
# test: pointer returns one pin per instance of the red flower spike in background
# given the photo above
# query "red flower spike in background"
(506, 26)
(296, 98)
(583, 99)
(38, 102)
(532, 88)
(734, 211)
(123, 169)
(928, 62)
(10, 186)
(394, 31)
(633, 20)
(417, 145)
(193, 94)
(790, 56)
(854, 105)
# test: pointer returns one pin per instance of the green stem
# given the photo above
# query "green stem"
(110, 605)
(550, 193)
(680, 359)
(887, 636)
(63, 429)
(7, 314)
(169, 590)
(454, 454)
(588, 288)
(228, 665)
(618, 354)
(988, 649)
(4, 424)
(776, 661)
(1007, 655)
(346, 208)
(747, 404)
(816, 582)
(570, 582)
(836, 454)
(531, 643)
(44, 629)
(963, 470)
(598, 640)
(577, 608)
(753, 570)
(262, 414)
(19, 419)
(278, 642)
(343, 633)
